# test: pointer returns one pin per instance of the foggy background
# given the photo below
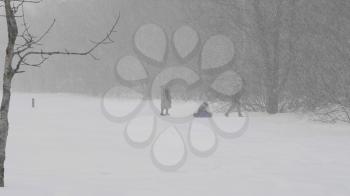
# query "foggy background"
(78, 22)
(300, 48)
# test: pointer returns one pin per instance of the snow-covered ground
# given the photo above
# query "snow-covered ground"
(65, 146)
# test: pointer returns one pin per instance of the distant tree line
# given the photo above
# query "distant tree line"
(296, 53)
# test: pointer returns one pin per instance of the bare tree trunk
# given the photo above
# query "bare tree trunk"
(269, 45)
(272, 82)
(7, 80)
(273, 68)
(4, 125)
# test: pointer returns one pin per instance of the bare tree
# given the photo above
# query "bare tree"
(262, 22)
(301, 47)
(22, 46)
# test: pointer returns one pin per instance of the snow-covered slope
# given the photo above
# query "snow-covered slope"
(65, 146)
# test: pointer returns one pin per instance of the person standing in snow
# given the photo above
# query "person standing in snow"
(236, 100)
(165, 101)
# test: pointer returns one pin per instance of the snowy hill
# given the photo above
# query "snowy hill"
(65, 146)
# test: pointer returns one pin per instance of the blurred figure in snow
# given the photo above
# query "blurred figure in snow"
(165, 100)
(203, 111)
(236, 100)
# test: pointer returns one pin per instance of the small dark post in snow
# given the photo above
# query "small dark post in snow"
(33, 103)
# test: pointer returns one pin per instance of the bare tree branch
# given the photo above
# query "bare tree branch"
(44, 55)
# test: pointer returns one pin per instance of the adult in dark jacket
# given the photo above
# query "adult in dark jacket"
(165, 101)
